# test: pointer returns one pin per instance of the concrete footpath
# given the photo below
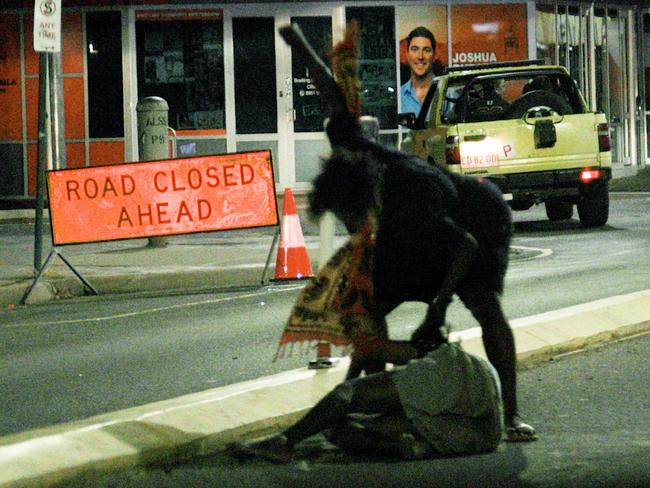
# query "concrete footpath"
(206, 261)
(202, 422)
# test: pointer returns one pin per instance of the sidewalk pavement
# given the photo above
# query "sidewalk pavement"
(199, 423)
(206, 261)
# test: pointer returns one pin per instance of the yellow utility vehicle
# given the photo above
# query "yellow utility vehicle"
(526, 127)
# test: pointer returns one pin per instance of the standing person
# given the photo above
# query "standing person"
(447, 402)
(437, 234)
(420, 55)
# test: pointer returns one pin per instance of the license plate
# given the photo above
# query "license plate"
(507, 196)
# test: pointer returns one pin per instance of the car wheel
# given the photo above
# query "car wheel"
(593, 206)
(537, 98)
(558, 210)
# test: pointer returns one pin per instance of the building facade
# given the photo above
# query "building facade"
(233, 85)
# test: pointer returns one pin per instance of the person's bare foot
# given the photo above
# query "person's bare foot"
(519, 431)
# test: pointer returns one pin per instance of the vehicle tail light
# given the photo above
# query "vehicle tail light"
(453, 150)
(588, 175)
(603, 138)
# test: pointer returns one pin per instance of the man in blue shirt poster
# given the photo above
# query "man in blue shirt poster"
(420, 56)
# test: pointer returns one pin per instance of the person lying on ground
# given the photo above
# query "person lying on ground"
(443, 401)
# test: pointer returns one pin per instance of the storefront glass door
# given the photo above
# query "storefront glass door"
(253, 118)
(276, 105)
(308, 112)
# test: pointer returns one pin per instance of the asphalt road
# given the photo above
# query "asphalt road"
(77, 358)
(592, 411)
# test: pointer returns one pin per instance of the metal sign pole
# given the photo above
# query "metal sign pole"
(46, 40)
(42, 160)
(57, 111)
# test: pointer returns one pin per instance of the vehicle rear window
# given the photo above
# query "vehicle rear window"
(489, 97)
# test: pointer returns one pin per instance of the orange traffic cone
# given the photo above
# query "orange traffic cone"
(293, 261)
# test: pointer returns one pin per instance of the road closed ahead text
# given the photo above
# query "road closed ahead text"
(179, 196)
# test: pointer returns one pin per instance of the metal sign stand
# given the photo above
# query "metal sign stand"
(268, 258)
(51, 125)
(55, 252)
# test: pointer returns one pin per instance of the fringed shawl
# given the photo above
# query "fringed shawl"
(337, 305)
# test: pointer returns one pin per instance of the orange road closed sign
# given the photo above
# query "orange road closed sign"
(158, 198)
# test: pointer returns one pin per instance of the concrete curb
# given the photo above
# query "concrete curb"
(202, 422)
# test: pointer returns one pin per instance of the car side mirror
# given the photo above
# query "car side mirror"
(407, 120)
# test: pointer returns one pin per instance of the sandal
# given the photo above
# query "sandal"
(519, 431)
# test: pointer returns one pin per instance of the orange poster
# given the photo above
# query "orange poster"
(482, 34)
(157, 198)
(11, 124)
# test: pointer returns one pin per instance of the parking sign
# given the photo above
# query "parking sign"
(47, 26)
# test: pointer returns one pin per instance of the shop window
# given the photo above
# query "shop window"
(610, 39)
(105, 93)
(572, 43)
(249, 146)
(11, 118)
(309, 158)
(600, 47)
(11, 167)
(255, 80)
(646, 77)
(180, 59)
(562, 35)
(377, 65)
(616, 64)
(576, 46)
(646, 61)
(308, 105)
(545, 33)
(198, 147)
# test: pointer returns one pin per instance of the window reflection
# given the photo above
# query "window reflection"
(255, 79)
(308, 104)
(545, 33)
(104, 54)
(377, 62)
(181, 61)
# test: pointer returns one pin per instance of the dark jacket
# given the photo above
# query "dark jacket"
(424, 212)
